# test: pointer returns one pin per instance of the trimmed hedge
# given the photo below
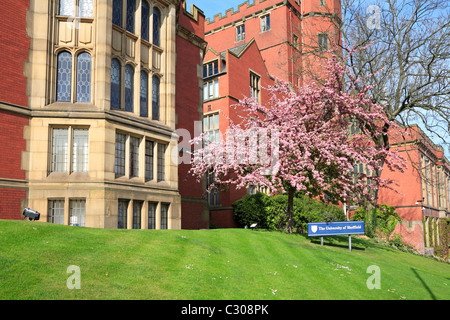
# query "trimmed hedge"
(270, 212)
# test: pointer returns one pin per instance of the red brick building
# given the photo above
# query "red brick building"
(229, 76)
(191, 47)
(14, 112)
(247, 50)
(423, 189)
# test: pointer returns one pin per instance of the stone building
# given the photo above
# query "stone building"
(92, 107)
(422, 191)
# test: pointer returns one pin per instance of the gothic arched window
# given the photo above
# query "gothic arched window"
(129, 79)
(144, 94)
(155, 98)
(115, 83)
(64, 77)
(84, 67)
(156, 27)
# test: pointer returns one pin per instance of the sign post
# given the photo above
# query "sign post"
(321, 229)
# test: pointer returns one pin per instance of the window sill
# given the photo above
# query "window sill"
(67, 175)
(212, 99)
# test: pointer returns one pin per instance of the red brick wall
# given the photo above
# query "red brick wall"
(223, 219)
(13, 86)
(10, 203)
(191, 216)
(12, 144)
(13, 51)
(413, 236)
(187, 102)
(273, 44)
(409, 186)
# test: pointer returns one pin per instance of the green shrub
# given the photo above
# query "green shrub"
(396, 240)
(251, 209)
(270, 212)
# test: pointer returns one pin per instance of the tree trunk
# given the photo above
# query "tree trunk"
(290, 211)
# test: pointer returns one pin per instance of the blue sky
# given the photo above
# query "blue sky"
(212, 7)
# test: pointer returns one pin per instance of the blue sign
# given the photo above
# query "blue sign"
(320, 229)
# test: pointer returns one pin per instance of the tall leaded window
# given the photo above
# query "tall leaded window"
(80, 150)
(60, 151)
(240, 33)
(117, 12)
(155, 98)
(156, 27)
(115, 83)
(145, 34)
(84, 67)
(64, 77)
(129, 79)
(143, 93)
(255, 88)
(161, 162)
(265, 23)
(137, 208)
(122, 214)
(149, 160)
(120, 154)
(134, 157)
(152, 206)
(130, 15)
(164, 215)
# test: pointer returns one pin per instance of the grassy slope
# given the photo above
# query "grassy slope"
(205, 264)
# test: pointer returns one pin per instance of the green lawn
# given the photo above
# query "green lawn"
(231, 264)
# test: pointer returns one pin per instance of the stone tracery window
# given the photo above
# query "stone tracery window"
(129, 79)
(127, 73)
(84, 67)
(64, 77)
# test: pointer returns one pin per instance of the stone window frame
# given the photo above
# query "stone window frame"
(255, 86)
(240, 32)
(74, 74)
(321, 37)
(154, 214)
(265, 23)
(69, 156)
(157, 166)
